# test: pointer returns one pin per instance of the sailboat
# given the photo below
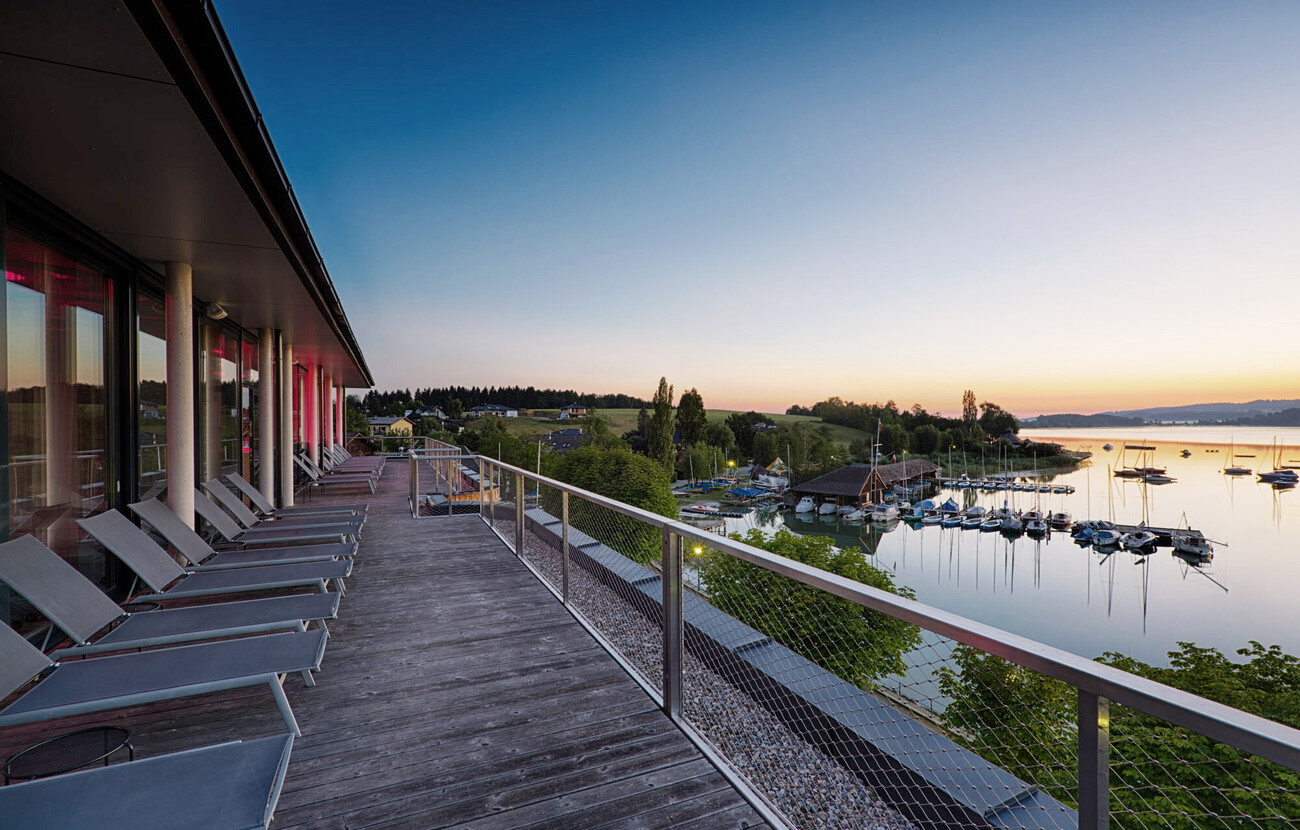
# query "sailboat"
(1230, 467)
(1280, 475)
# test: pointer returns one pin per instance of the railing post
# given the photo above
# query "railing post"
(519, 515)
(482, 487)
(415, 486)
(1094, 762)
(672, 599)
(564, 546)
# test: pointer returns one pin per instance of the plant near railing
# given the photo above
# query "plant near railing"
(1161, 776)
(857, 644)
(619, 474)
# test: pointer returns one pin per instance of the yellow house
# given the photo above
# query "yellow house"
(390, 426)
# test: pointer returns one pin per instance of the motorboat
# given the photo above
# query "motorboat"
(827, 508)
(1192, 544)
(1105, 538)
(805, 505)
(884, 513)
(1157, 478)
(845, 509)
(990, 525)
(1036, 527)
(858, 515)
(1059, 521)
(1140, 539)
(950, 520)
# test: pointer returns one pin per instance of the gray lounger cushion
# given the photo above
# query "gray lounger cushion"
(82, 686)
(159, 571)
(219, 493)
(232, 532)
(264, 507)
(79, 609)
(191, 545)
(230, 786)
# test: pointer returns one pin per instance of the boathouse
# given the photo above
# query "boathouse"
(859, 484)
(885, 477)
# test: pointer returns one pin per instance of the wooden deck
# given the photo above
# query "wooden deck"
(456, 692)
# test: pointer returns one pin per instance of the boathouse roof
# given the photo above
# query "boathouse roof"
(846, 481)
(903, 470)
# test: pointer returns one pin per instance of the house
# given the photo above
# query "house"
(398, 425)
(563, 440)
(427, 412)
(493, 409)
(859, 484)
(574, 410)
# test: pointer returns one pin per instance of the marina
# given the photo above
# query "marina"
(1223, 587)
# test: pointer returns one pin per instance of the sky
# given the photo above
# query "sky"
(1064, 207)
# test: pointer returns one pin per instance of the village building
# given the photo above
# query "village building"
(493, 409)
(859, 484)
(399, 425)
(574, 410)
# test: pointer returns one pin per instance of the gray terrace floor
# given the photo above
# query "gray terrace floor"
(455, 692)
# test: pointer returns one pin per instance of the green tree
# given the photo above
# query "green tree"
(855, 643)
(691, 419)
(718, 434)
(355, 417)
(660, 436)
(619, 474)
(925, 439)
(696, 461)
(596, 433)
(454, 408)
(996, 420)
(969, 410)
(643, 421)
(1161, 776)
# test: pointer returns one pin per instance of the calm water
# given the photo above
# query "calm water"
(1088, 602)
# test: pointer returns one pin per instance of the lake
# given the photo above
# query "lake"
(1087, 602)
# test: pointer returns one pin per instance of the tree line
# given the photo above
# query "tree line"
(459, 398)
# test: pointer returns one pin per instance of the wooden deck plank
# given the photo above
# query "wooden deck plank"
(455, 692)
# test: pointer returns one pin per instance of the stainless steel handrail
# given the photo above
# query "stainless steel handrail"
(1097, 683)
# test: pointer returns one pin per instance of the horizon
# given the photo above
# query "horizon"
(1066, 209)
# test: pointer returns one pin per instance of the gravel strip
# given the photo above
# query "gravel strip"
(810, 789)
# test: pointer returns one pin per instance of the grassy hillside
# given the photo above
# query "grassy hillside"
(624, 420)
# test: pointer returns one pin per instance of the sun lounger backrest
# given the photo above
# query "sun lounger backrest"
(302, 465)
(55, 588)
(222, 495)
(178, 534)
(20, 661)
(245, 486)
(311, 467)
(134, 547)
(215, 516)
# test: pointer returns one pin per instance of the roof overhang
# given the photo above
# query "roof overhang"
(135, 119)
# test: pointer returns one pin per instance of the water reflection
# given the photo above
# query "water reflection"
(1090, 601)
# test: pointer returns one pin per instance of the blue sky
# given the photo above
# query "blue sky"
(1063, 207)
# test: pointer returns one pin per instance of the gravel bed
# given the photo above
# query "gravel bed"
(810, 789)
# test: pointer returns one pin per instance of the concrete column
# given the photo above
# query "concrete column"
(180, 390)
(286, 423)
(327, 409)
(266, 409)
(341, 415)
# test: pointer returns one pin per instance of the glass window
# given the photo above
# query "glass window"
(222, 438)
(151, 350)
(57, 430)
(249, 376)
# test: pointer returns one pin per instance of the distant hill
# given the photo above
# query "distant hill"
(1070, 420)
(1208, 411)
(1260, 413)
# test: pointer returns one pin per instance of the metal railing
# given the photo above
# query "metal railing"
(441, 483)
(783, 674)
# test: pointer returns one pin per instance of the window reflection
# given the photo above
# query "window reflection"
(151, 351)
(58, 421)
(222, 438)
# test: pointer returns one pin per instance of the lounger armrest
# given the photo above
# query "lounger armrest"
(176, 639)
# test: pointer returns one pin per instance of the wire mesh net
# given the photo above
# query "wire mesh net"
(613, 581)
(543, 533)
(501, 511)
(1163, 776)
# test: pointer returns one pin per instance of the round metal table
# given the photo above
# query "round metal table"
(69, 752)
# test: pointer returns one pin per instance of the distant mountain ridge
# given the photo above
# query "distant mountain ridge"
(1263, 412)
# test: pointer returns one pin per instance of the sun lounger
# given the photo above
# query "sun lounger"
(261, 505)
(222, 496)
(168, 580)
(78, 687)
(342, 459)
(229, 786)
(230, 530)
(96, 624)
(199, 553)
(317, 479)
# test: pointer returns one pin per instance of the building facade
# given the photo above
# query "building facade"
(167, 316)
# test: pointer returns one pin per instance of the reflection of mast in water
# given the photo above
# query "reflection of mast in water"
(1038, 572)
(1145, 563)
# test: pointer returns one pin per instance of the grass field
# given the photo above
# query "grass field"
(624, 420)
